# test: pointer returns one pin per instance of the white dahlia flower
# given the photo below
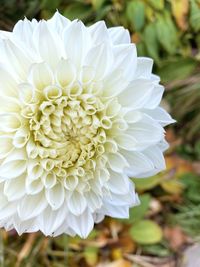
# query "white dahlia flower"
(79, 115)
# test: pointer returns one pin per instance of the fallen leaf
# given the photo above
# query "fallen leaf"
(118, 263)
(175, 236)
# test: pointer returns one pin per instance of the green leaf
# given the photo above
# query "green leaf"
(146, 232)
(177, 69)
(157, 250)
(167, 33)
(78, 11)
(143, 184)
(91, 255)
(194, 15)
(50, 4)
(138, 212)
(157, 4)
(136, 14)
(97, 4)
(151, 41)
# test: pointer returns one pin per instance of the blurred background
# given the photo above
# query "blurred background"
(164, 230)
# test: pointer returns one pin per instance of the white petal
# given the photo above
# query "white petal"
(65, 73)
(23, 35)
(119, 35)
(58, 22)
(118, 183)
(155, 155)
(138, 163)
(160, 115)
(114, 83)
(77, 41)
(94, 200)
(76, 203)
(155, 98)
(31, 206)
(27, 226)
(137, 94)
(146, 132)
(34, 187)
(50, 220)
(16, 162)
(21, 138)
(116, 211)
(126, 141)
(6, 146)
(8, 86)
(126, 59)
(83, 224)
(144, 67)
(99, 32)
(48, 47)
(10, 122)
(55, 196)
(101, 58)
(40, 75)
(5, 34)
(117, 162)
(15, 59)
(15, 189)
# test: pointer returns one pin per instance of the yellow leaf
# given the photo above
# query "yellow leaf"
(172, 186)
(180, 10)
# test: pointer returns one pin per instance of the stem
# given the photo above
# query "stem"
(1, 250)
(66, 249)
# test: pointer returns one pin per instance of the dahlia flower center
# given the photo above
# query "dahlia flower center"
(67, 130)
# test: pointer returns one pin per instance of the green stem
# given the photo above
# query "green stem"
(66, 249)
(1, 250)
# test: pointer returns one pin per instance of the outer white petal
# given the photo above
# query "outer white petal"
(118, 183)
(156, 156)
(15, 59)
(119, 35)
(23, 35)
(114, 83)
(48, 48)
(27, 226)
(58, 23)
(15, 189)
(5, 34)
(94, 200)
(83, 224)
(143, 130)
(137, 94)
(5, 145)
(138, 163)
(6, 208)
(101, 58)
(117, 162)
(77, 42)
(15, 162)
(55, 196)
(31, 206)
(99, 32)
(126, 59)
(50, 220)
(160, 115)
(144, 67)
(155, 98)
(8, 86)
(76, 203)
